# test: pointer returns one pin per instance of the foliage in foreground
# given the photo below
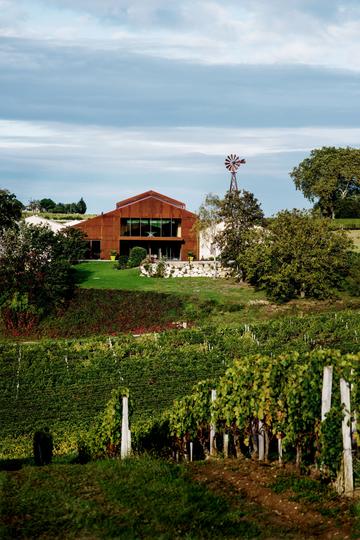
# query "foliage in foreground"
(10, 210)
(297, 255)
(35, 273)
(65, 384)
(283, 393)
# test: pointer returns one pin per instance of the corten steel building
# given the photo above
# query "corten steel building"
(158, 223)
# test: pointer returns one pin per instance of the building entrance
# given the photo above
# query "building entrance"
(167, 249)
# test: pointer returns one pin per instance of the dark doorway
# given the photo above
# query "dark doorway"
(93, 249)
(168, 250)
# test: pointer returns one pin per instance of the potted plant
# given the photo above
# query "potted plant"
(113, 254)
(190, 256)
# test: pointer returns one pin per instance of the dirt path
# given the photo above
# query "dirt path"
(247, 483)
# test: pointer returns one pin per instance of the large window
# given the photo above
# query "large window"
(151, 228)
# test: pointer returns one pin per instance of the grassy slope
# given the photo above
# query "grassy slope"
(236, 303)
(101, 275)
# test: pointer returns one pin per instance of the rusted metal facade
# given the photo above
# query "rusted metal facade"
(160, 224)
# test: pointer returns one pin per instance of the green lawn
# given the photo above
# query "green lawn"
(133, 499)
(233, 302)
(103, 275)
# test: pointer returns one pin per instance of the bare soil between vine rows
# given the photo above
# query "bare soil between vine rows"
(249, 482)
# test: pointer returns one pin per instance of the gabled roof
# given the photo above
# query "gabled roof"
(147, 195)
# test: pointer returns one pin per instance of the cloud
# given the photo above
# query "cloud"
(202, 31)
(39, 81)
(38, 160)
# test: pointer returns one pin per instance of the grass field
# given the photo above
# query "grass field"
(234, 302)
(148, 498)
(113, 499)
(103, 275)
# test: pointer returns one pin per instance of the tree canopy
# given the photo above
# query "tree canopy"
(10, 209)
(239, 211)
(297, 255)
(35, 271)
(329, 176)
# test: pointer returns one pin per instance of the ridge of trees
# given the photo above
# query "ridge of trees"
(48, 205)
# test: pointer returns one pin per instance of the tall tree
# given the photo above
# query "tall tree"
(10, 209)
(329, 176)
(239, 211)
(81, 206)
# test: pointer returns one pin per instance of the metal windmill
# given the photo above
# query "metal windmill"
(232, 163)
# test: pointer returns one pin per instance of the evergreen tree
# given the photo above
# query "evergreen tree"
(81, 206)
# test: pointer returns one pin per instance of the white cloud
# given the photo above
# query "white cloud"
(76, 147)
(204, 31)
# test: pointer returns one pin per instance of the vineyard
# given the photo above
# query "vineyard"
(64, 385)
(274, 399)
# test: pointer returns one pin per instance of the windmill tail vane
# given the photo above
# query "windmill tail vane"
(232, 163)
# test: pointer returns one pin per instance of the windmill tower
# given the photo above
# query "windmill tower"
(232, 163)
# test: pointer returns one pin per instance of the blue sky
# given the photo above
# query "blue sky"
(103, 99)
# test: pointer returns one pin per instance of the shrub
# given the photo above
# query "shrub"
(122, 262)
(137, 255)
(352, 281)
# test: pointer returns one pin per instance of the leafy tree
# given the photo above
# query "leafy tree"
(297, 255)
(329, 176)
(208, 222)
(47, 204)
(240, 212)
(74, 244)
(10, 209)
(81, 206)
(33, 271)
(349, 207)
(34, 205)
(59, 208)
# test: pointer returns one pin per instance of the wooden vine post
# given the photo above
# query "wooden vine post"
(213, 450)
(125, 449)
(326, 391)
(226, 445)
(346, 435)
(345, 481)
(326, 397)
(261, 441)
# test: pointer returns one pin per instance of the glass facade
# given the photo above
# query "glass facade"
(151, 228)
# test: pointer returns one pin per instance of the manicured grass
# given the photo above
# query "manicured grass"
(103, 275)
(136, 498)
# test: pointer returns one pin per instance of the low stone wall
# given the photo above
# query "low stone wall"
(168, 269)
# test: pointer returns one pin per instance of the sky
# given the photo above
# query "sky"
(104, 99)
